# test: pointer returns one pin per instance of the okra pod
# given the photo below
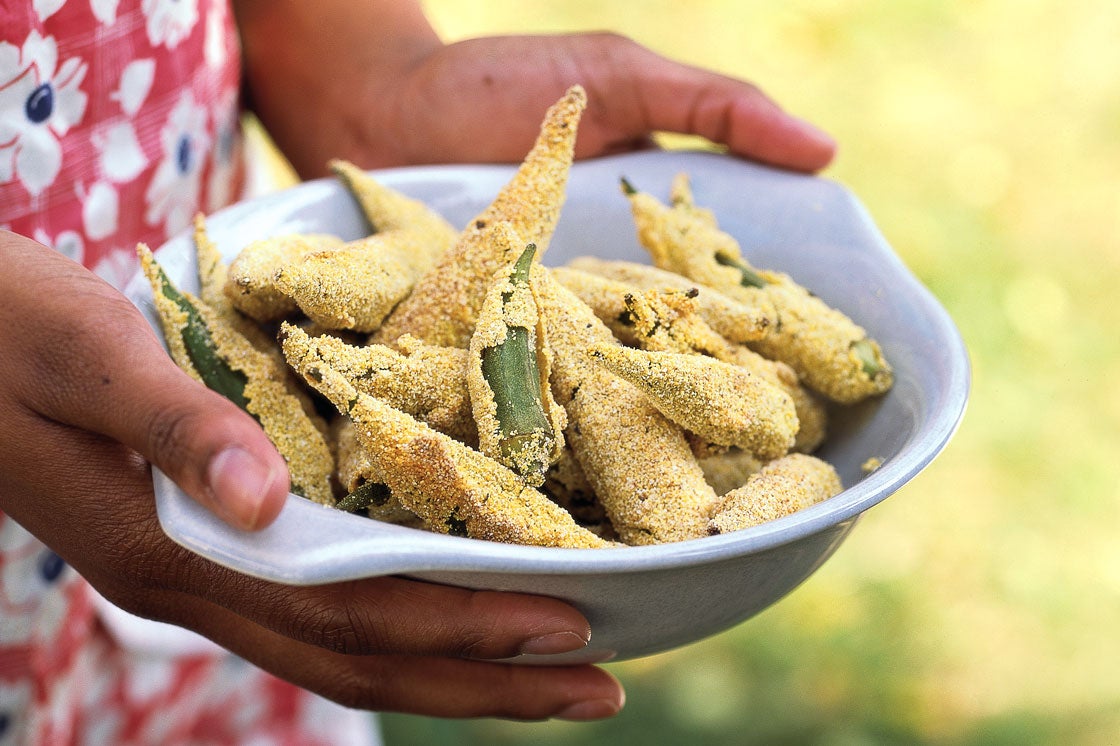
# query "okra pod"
(734, 321)
(639, 462)
(831, 353)
(781, 487)
(518, 422)
(452, 487)
(216, 354)
(444, 305)
(717, 401)
(251, 280)
(426, 381)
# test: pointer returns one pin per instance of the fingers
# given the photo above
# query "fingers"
(395, 615)
(440, 687)
(641, 91)
(95, 363)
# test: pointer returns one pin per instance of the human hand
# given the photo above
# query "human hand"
(88, 398)
(482, 100)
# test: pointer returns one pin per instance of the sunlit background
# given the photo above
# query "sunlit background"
(981, 604)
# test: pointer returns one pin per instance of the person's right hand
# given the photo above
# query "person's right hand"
(89, 398)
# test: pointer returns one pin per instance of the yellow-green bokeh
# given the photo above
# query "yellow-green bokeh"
(981, 604)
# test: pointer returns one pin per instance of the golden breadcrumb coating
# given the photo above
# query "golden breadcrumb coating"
(454, 488)
(831, 353)
(780, 488)
(298, 439)
(638, 461)
(443, 306)
(722, 403)
(251, 284)
(426, 381)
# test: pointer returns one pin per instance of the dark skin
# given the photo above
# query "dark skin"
(89, 399)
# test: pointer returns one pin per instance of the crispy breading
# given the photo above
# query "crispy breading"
(780, 488)
(297, 437)
(453, 487)
(722, 403)
(831, 353)
(638, 461)
(444, 304)
(426, 381)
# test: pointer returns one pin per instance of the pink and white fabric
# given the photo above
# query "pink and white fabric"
(119, 120)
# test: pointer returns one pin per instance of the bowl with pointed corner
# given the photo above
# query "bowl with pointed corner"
(645, 599)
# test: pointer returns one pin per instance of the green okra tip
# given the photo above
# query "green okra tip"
(747, 277)
(363, 496)
(627, 188)
(867, 354)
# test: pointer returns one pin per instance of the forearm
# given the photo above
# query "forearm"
(313, 70)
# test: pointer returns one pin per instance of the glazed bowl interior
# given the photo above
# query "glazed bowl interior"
(640, 600)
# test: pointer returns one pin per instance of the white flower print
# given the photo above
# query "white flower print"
(121, 157)
(227, 152)
(215, 48)
(105, 10)
(172, 196)
(136, 82)
(39, 103)
(67, 243)
(100, 210)
(47, 8)
(169, 21)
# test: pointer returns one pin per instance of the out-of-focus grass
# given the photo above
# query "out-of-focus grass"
(981, 604)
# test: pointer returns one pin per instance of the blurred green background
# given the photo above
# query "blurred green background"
(981, 604)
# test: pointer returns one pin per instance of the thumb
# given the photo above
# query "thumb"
(93, 362)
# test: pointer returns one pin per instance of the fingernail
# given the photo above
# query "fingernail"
(553, 643)
(238, 482)
(592, 709)
(812, 132)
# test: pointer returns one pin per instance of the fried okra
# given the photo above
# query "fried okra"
(519, 423)
(638, 461)
(213, 352)
(781, 487)
(452, 487)
(831, 353)
(444, 305)
(720, 402)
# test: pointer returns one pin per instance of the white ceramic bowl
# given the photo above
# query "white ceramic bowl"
(639, 600)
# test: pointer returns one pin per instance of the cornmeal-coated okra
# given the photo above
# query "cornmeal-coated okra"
(668, 321)
(638, 462)
(213, 276)
(729, 469)
(387, 209)
(665, 320)
(214, 353)
(778, 489)
(831, 353)
(734, 321)
(720, 402)
(452, 487)
(364, 487)
(519, 423)
(251, 280)
(426, 381)
(357, 285)
(444, 304)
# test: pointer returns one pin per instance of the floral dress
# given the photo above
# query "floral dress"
(118, 122)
